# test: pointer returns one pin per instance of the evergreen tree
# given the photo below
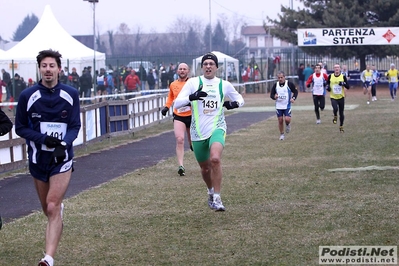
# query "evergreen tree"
(339, 14)
(27, 25)
(207, 38)
(192, 43)
(219, 42)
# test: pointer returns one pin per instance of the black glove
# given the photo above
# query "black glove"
(52, 142)
(230, 105)
(341, 83)
(328, 88)
(164, 111)
(197, 95)
(59, 154)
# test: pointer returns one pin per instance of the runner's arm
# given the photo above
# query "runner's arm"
(294, 90)
(273, 92)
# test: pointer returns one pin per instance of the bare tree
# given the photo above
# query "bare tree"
(124, 46)
(111, 41)
(236, 24)
(181, 28)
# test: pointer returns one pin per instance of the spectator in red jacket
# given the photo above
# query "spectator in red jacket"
(132, 83)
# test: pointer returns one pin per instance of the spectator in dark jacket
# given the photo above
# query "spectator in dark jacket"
(301, 78)
(143, 77)
(171, 73)
(164, 79)
(151, 80)
(7, 79)
(74, 79)
(63, 78)
(85, 82)
(19, 86)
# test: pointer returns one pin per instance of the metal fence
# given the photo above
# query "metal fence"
(99, 120)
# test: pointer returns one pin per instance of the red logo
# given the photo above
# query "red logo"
(389, 36)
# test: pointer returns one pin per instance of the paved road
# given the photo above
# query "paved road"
(18, 197)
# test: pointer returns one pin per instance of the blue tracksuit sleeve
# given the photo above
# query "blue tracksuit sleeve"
(23, 123)
(74, 123)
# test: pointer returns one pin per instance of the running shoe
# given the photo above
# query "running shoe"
(288, 128)
(341, 129)
(282, 137)
(368, 102)
(318, 121)
(335, 119)
(210, 201)
(43, 262)
(181, 171)
(217, 204)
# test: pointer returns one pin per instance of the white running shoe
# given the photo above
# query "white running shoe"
(217, 204)
(210, 201)
(368, 102)
(288, 128)
(318, 121)
(43, 262)
(282, 137)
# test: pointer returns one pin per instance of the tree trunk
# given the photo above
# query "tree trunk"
(362, 62)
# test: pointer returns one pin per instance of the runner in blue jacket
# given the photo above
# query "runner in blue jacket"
(48, 117)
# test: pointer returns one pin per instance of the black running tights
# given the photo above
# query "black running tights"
(319, 102)
(338, 105)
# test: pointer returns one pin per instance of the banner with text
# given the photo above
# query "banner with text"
(348, 36)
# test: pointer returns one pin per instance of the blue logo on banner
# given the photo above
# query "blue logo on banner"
(309, 38)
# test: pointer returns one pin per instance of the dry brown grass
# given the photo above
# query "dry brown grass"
(282, 201)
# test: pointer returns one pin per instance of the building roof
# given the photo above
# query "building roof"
(253, 30)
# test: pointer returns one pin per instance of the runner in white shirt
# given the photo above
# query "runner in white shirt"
(284, 93)
(319, 82)
(208, 126)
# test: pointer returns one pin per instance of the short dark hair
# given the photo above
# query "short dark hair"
(49, 53)
(280, 72)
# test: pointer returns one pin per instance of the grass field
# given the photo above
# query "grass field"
(284, 199)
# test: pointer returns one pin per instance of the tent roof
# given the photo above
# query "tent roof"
(221, 57)
(49, 34)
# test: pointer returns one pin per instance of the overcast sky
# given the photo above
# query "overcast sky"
(76, 16)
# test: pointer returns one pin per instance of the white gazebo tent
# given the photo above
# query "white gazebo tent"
(228, 66)
(48, 34)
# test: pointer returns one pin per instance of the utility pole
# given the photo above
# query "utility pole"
(94, 42)
(210, 27)
(293, 67)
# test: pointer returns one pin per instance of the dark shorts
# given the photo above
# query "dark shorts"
(185, 119)
(366, 84)
(101, 88)
(43, 172)
(285, 112)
